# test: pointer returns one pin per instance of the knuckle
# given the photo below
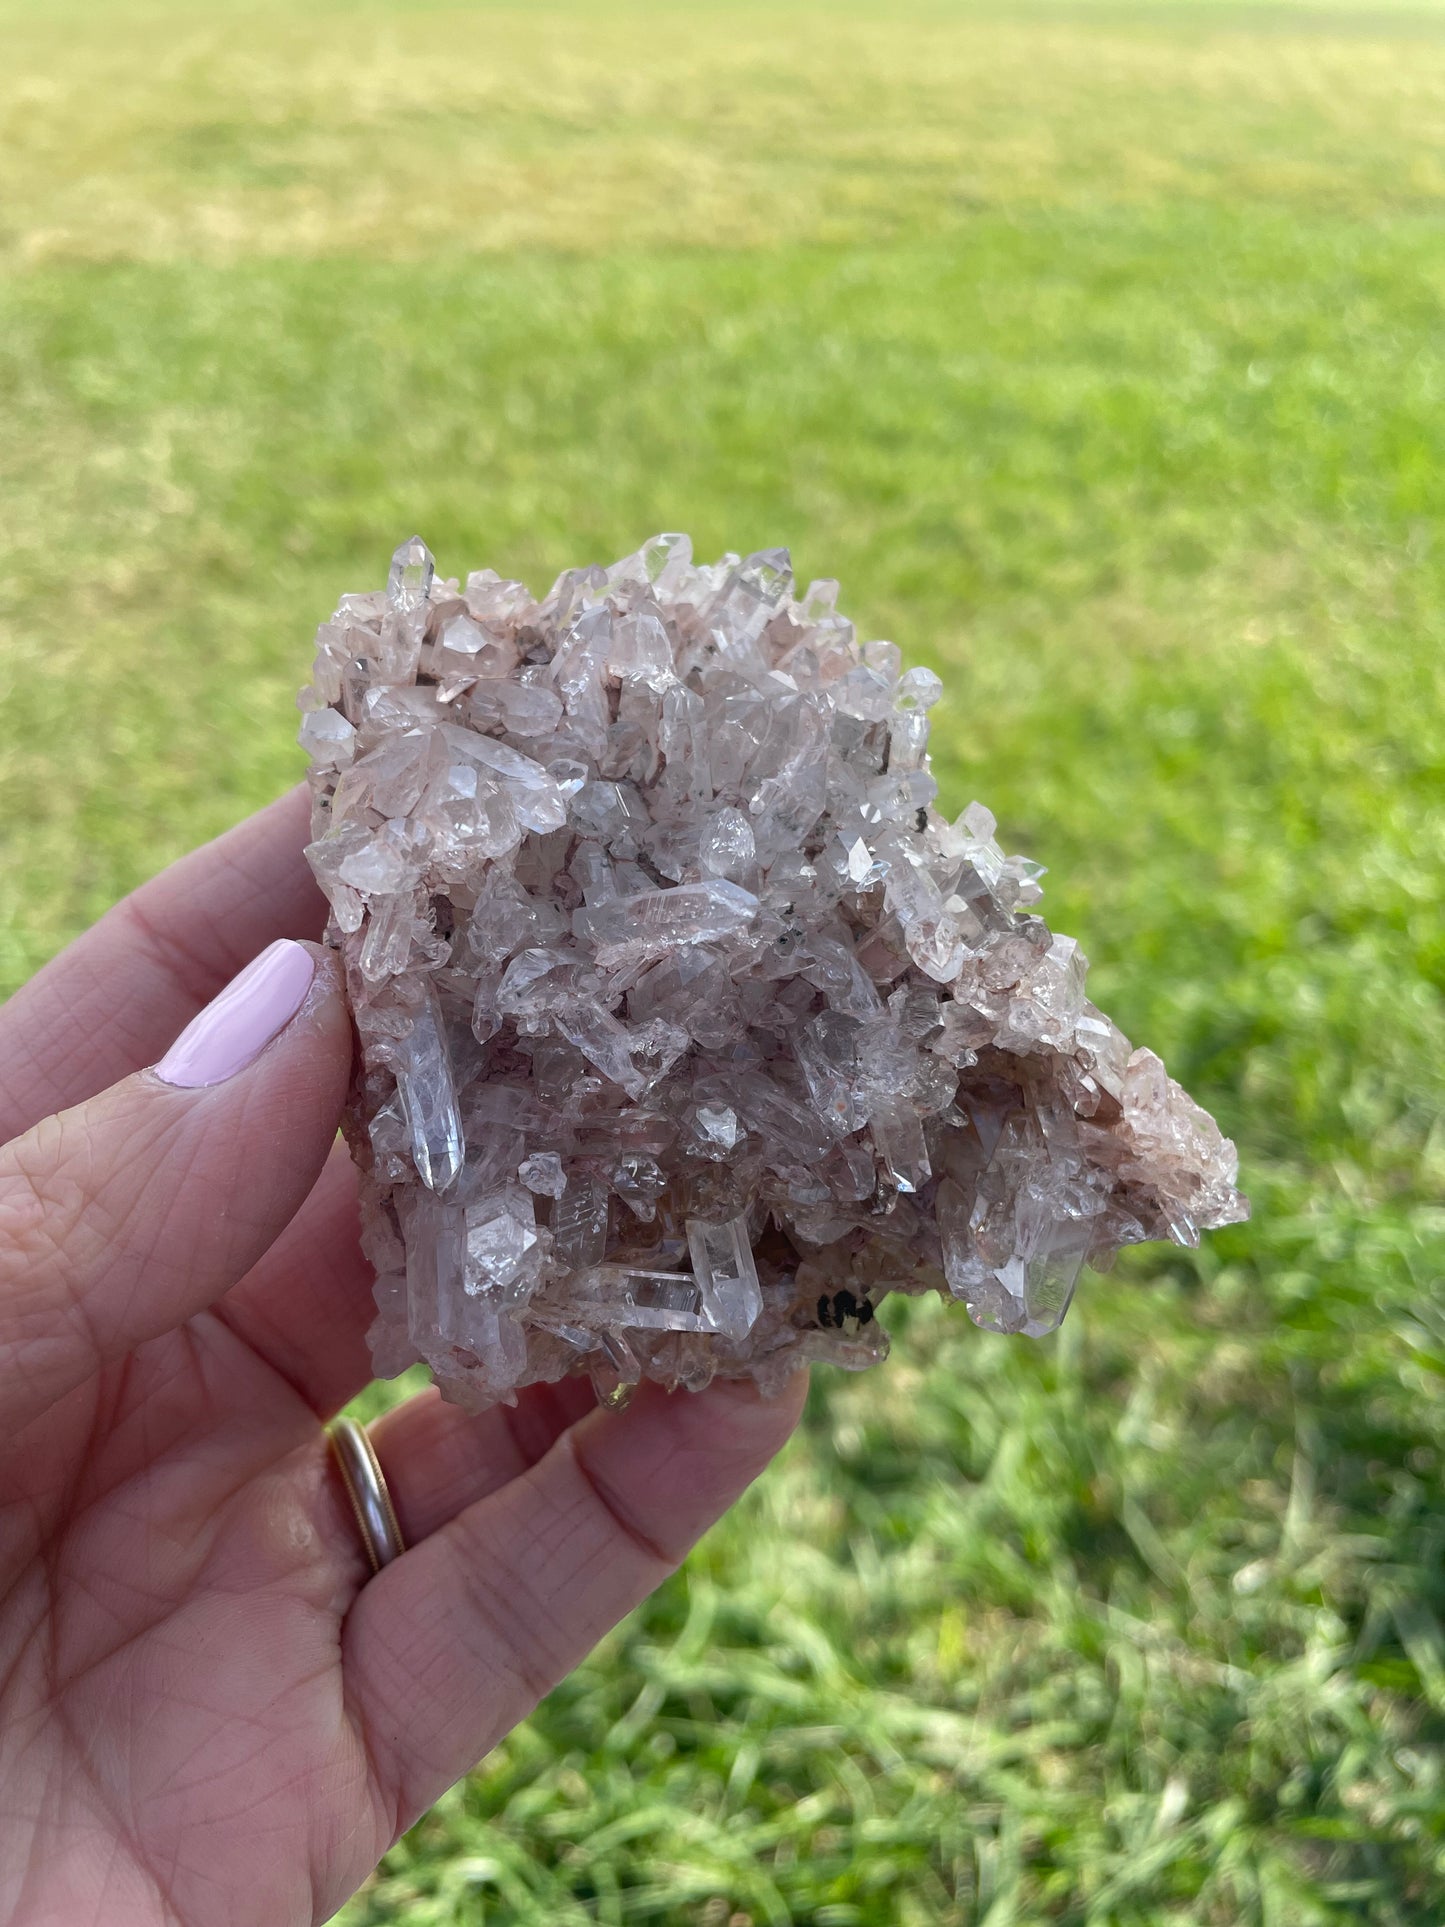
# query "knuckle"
(66, 1202)
(43, 1194)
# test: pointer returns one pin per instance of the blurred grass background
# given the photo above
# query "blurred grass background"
(1099, 351)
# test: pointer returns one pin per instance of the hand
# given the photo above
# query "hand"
(209, 1715)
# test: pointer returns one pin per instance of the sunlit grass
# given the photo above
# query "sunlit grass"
(1099, 352)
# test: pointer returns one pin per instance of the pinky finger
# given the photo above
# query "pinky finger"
(447, 1649)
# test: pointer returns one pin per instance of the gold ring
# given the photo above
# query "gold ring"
(365, 1484)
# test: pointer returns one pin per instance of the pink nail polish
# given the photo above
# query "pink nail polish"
(236, 1026)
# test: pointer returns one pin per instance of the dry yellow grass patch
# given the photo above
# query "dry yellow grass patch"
(158, 133)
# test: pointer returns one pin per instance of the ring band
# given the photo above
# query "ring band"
(365, 1484)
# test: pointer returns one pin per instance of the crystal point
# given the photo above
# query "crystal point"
(429, 1100)
(727, 1277)
(412, 573)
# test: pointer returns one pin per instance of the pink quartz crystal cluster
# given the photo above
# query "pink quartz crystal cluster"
(689, 1027)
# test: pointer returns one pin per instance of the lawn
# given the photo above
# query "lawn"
(1100, 350)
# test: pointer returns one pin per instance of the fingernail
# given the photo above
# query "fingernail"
(236, 1026)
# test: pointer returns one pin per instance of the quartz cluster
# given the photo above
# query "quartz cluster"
(689, 1027)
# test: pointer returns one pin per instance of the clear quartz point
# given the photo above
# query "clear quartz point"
(662, 920)
(639, 1300)
(722, 1260)
(579, 1222)
(727, 846)
(898, 1134)
(666, 556)
(498, 1250)
(429, 1099)
(689, 1026)
(412, 572)
(544, 1173)
(614, 1369)
(718, 1126)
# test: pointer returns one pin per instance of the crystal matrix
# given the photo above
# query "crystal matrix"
(689, 1027)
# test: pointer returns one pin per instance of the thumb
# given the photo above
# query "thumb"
(121, 1218)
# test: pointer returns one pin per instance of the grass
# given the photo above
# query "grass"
(1098, 350)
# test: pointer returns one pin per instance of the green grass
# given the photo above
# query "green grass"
(1099, 351)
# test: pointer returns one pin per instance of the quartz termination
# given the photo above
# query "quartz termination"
(689, 1026)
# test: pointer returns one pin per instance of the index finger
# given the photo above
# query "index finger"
(113, 1000)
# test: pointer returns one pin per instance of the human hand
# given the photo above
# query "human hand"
(210, 1714)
